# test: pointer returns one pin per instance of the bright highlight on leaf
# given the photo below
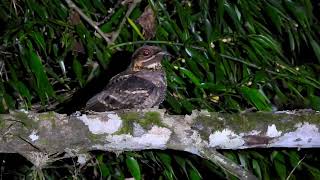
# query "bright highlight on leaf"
(135, 27)
(134, 168)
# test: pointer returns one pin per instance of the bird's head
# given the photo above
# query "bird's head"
(147, 58)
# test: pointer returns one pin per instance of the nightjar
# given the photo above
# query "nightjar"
(142, 85)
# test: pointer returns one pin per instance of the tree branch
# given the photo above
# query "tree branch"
(36, 135)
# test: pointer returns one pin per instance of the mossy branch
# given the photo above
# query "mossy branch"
(31, 134)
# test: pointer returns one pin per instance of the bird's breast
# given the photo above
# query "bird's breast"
(157, 78)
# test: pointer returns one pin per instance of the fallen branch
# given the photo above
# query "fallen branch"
(36, 135)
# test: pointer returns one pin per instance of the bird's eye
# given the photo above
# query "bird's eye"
(146, 52)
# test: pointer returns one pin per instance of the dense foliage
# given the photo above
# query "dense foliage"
(266, 164)
(230, 55)
(263, 54)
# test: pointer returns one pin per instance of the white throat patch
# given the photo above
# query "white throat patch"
(154, 65)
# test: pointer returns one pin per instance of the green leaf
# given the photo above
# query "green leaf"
(99, 5)
(268, 42)
(166, 161)
(214, 87)
(182, 163)
(193, 172)
(294, 158)
(43, 86)
(168, 174)
(298, 12)
(77, 69)
(190, 75)
(167, 26)
(208, 28)
(38, 9)
(194, 175)
(110, 25)
(231, 155)
(315, 102)
(174, 103)
(23, 90)
(231, 103)
(243, 158)
(256, 97)
(134, 168)
(67, 41)
(274, 16)
(280, 165)
(198, 59)
(102, 57)
(38, 37)
(291, 40)
(315, 172)
(162, 33)
(256, 168)
(136, 29)
(103, 167)
(231, 11)
(187, 105)
(316, 48)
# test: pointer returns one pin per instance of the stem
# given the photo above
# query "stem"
(156, 42)
(72, 5)
(131, 7)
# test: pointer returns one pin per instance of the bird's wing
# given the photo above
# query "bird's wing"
(123, 92)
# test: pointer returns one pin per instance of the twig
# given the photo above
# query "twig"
(72, 5)
(32, 145)
(295, 167)
(130, 9)
(3, 71)
(156, 42)
(227, 164)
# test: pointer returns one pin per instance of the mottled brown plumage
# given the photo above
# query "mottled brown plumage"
(142, 85)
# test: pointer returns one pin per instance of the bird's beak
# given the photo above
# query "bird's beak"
(165, 53)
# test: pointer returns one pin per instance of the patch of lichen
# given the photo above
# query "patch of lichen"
(205, 124)
(211, 120)
(127, 128)
(240, 122)
(283, 122)
(95, 137)
(247, 122)
(24, 119)
(146, 120)
(128, 118)
(2, 123)
(50, 116)
(257, 121)
(44, 142)
(312, 118)
(150, 119)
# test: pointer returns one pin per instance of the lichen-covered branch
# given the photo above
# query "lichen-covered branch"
(44, 134)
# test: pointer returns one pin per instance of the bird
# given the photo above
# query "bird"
(142, 85)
